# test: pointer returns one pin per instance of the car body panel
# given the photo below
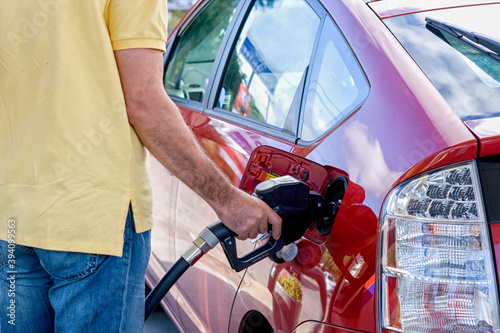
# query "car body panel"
(230, 145)
(264, 293)
(404, 128)
(409, 108)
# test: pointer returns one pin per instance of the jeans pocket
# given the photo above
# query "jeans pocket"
(68, 265)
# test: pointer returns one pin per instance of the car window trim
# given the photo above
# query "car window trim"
(252, 124)
(230, 41)
(174, 41)
(166, 56)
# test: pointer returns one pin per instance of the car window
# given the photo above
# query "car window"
(190, 65)
(269, 61)
(337, 84)
(466, 77)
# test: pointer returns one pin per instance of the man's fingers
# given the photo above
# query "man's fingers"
(253, 217)
(253, 233)
(242, 236)
(275, 221)
(263, 228)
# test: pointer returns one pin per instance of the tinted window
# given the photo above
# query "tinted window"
(269, 61)
(337, 85)
(468, 79)
(189, 68)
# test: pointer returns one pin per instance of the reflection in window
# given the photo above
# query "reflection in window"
(269, 61)
(486, 69)
(188, 70)
(468, 80)
(337, 85)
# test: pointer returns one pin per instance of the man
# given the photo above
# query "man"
(81, 94)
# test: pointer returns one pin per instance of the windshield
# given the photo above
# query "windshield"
(466, 76)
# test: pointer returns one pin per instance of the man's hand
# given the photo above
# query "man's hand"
(159, 125)
(249, 216)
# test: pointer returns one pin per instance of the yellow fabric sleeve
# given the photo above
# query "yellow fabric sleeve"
(137, 23)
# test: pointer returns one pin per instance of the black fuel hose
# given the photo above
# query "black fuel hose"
(162, 288)
(206, 240)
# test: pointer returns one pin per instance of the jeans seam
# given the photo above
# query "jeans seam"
(3, 260)
(91, 268)
(129, 255)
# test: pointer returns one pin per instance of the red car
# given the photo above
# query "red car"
(392, 107)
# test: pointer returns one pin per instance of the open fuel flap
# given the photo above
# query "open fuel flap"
(268, 162)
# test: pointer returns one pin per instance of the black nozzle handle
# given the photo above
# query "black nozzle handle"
(238, 264)
(221, 231)
(228, 243)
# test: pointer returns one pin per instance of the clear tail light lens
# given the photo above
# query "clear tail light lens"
(437, 272)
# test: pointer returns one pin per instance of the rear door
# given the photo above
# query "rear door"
(237, 72)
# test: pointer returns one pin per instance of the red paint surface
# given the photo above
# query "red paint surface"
(404, 128)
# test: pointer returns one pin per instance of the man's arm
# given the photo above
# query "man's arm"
(162, 130)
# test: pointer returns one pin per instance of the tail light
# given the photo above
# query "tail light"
(436, 265)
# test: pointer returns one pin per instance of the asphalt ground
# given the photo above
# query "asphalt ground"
(159, 322)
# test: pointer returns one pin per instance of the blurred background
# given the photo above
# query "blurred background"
(176, 11)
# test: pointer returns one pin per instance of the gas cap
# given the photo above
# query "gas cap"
(308, 254)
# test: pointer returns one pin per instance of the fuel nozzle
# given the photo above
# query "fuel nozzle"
(297, 206)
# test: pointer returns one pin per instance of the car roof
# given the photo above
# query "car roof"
(390, 8)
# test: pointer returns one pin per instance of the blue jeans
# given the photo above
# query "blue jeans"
(51, 291)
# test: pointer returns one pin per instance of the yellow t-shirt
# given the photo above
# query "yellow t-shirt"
(70, 163)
